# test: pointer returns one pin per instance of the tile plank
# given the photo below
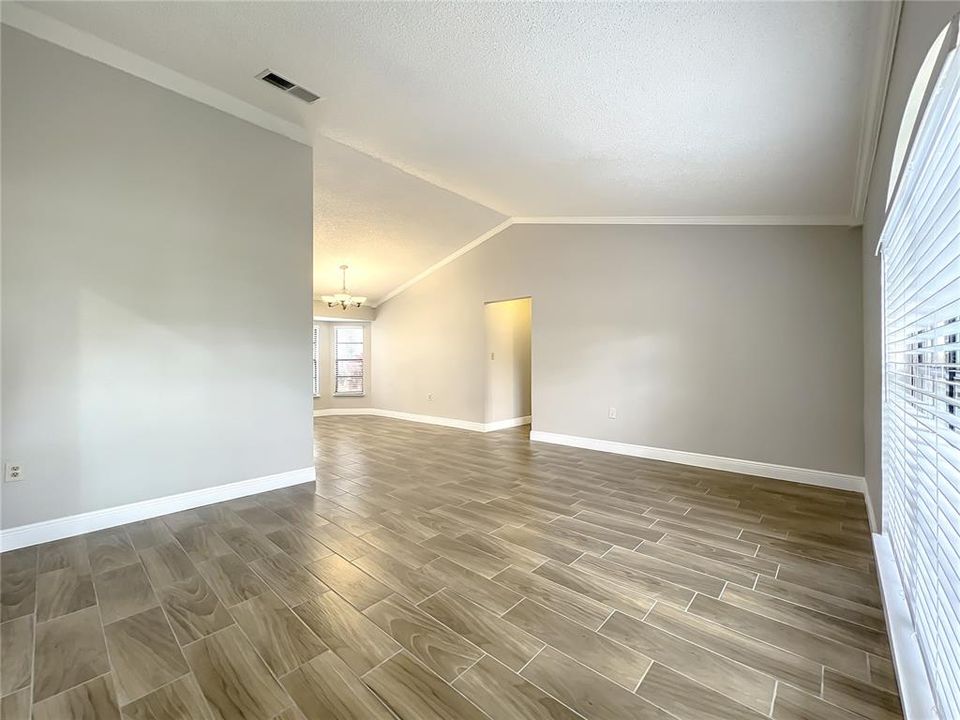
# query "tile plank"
(144, 654)
(326, 688)
(233, 679)
(432, 643)
(742, 648)
(495, 636)
(16, 651)
(194, 611)
(232, 579)
(277, 633)
(483, 591)
(618, 663)
(69, 650)
(585, 691)
(504, 695)
(352, 636)
(288, 579)
(412, 691)
(560, 599)
(860, 697)
(124, 591)
(180, 700)
(95, 699)
(815, 647)
(347, 580)
(748, 687)
(683, 697)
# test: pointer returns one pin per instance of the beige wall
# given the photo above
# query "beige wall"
(920, 23)
(327, 400)
(507, 331)
(743, 342)
(155, 291)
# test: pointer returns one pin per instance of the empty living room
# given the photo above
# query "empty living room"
(479, 360)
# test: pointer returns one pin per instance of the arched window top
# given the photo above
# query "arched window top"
(911, 112)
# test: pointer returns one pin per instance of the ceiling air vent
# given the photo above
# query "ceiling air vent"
(278, 81)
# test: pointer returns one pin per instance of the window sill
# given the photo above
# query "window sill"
(349, 395)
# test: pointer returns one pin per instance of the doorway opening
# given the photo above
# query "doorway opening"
(508, 362)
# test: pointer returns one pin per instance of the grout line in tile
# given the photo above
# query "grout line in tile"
(380, 663)
(643, 676)
(522, 598)
(36, 601)
(72, 687)
(532, 658)
(459, 674)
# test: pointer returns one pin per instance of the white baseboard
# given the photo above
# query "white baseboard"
(916, 695)
(345, 411)
(874, 527)
(504, 424)
(431, 420)
(821, 478)
(427, 419)
(24, 535)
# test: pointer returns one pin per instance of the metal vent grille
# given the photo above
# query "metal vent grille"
(303, 94)
(287, 86)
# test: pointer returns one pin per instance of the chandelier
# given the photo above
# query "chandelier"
(343, 298)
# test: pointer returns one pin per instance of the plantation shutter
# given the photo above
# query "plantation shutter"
(921, 424)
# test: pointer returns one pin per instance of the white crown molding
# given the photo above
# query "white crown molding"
(874, 100)
(447, 260)
(820, 478)
(84, 43)
(717, 220)
(48, 530)
(427, 419)
(772, 220)
(916, 695)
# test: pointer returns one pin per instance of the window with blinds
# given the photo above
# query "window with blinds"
(920, 247)
(348, 360)
(316, 360)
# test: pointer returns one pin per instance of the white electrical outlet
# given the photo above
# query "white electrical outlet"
(12, 472)
(612, 413)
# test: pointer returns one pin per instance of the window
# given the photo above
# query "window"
(316, 360)
(348, 360)
(920, 247)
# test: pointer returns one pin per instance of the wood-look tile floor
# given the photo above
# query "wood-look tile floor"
(438, 573)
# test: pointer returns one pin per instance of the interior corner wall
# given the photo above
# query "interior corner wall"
(155, 293)
(741, 342)
(920, 23)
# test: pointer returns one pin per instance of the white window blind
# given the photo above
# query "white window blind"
(921, 426)
(348, 360)
(316, 360)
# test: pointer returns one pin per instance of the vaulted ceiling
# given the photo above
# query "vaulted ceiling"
(440, 120)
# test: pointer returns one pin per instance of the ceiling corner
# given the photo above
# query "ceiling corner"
(84, 43)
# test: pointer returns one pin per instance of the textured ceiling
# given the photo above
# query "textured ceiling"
(532, 109)
(385, 224)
